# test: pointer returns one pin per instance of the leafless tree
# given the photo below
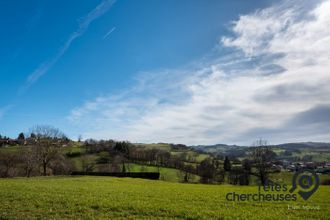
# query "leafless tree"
(79, 138)
(262, 157)
(46, 152)
(8, 163)
(47, 131)
(29, 160)
(48, 142)
(61, 166)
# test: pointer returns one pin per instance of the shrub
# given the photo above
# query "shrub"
(325, 182)
(73, 154)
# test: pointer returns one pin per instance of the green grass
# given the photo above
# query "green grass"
(125, 198)
(282, 177)
(202, 157)
(14, 149)
(166, 174)
(73, 149)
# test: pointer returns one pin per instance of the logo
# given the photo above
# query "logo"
(307, 182)
(304, 182)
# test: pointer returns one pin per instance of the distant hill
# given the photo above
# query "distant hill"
(319, 151)
(224, 147)
(304, 145)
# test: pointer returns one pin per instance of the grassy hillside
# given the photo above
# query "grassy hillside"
(105, 197)
(75, 152)
(78, 156)
(167, 174)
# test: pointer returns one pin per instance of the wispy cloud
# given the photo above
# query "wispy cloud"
(4, 109)
(108, 33)
(274, 85)
(84, 23)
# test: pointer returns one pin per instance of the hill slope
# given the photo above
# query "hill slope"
(107, 197)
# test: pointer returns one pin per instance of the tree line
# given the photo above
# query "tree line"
(40, 152)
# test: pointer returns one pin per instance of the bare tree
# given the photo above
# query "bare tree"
(46, 152)
(79, 138)
(47, 131)
(61, 166)
(29, 160)
(262, 157)
(8, 163)
(47, 145)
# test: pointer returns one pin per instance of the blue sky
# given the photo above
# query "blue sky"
(163, 71)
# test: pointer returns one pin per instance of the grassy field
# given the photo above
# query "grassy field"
(166, 174)
(107, 197)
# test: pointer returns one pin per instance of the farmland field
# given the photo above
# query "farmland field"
(107, 197)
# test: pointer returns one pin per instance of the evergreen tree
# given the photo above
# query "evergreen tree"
(227, 164)
(21, 138)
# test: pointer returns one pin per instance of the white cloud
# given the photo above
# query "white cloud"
(281, 76)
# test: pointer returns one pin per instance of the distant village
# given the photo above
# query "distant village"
(318, 167)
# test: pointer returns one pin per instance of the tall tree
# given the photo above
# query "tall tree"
(262, 157)
(186, 173)
(8, 163)
(47, 146)
(21, 138)
(29, 160)
(123, 148)
(207, 171)
(227, 164)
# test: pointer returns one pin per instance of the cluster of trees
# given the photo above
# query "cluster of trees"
(37, 154)
(258, 163)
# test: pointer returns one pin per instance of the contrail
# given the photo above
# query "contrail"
(84, 23)
(109, 32)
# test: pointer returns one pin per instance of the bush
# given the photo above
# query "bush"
(61, 166)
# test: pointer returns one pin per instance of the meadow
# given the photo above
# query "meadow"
(126, 198)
